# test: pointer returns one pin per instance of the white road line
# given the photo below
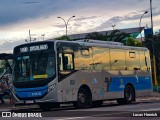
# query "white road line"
(71, 118)
(4, 110)
(151, 109)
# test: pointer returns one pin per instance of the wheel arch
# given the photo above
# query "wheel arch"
(86, 87)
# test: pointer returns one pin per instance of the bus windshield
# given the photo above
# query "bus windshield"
(34, 66)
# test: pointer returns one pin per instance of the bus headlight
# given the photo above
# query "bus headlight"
(51, 87)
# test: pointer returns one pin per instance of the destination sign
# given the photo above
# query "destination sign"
(34, 48)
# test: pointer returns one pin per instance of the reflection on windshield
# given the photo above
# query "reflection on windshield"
(34, 67)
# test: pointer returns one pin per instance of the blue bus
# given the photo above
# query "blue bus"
(84, 72)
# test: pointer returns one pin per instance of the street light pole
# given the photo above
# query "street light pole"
(43, 36)
(140, 23)
(66, 23)
(29, 35)
(113, 26)
(151, 16)
(154, 58)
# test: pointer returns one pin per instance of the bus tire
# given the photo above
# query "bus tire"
(48, 106)
(129, 96)
(83, 98)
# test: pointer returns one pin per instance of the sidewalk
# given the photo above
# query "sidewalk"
(7, 106)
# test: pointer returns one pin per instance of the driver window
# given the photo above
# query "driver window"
(65, 62)
(68, 62)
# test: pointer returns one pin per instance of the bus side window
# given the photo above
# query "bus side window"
(68, 63)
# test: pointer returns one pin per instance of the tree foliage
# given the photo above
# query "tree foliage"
(115, 36)
(153, 43)
(62, 38)
(132, 42)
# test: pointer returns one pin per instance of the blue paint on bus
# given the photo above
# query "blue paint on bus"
(140, 83)
(31, 92)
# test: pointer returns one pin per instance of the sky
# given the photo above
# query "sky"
(17, 17)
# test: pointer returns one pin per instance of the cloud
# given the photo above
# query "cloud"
(128, 17)
(59, 25)
(85, 18)
(31, 2)
(7, 46)
(20, 10)
(40, 16)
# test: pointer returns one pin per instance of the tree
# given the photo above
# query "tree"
(153, 43)
(132, 42)
(62, 38)
(96, 36)
(114, 35)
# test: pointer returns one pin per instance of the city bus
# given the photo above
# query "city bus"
(84, 73)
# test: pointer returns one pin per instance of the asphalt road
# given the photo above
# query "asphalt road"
(110, 111)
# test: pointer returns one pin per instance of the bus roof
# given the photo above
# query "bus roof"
(89, 42)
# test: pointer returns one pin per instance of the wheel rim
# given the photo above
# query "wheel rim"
(82, 97)
(129, 94)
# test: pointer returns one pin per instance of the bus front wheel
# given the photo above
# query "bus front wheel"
(83, 98)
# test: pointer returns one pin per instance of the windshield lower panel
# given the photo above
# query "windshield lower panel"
(34, 67)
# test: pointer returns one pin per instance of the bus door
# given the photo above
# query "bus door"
(66, 67)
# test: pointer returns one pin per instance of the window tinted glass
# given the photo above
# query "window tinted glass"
(117, 59)
(132, 59)
(101, 59)
(34, 67)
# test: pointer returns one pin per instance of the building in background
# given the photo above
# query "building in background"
(134, 32)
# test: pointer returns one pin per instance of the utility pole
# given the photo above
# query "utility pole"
(29, 36)
(43, 36)
(154, 58)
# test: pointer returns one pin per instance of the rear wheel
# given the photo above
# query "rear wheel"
(83, 99)
(129, 96)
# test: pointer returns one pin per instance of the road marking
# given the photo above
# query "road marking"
(3, 110)
(71, 118)
(151, 109)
